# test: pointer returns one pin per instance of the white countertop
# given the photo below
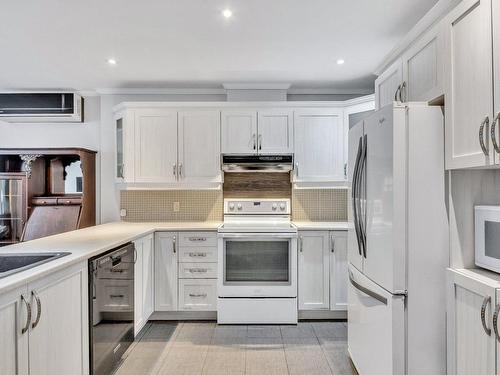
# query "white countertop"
(87, 243)
(321, 225)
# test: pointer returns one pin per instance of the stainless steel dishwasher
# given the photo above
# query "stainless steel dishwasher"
(111, 307)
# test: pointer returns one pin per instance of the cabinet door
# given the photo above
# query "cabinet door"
(338, 270)
(275, 132)
(319, 136)
(471, 340)
(155, 145)
(199, 146)
(148, 276)
(165, 271)
(14, 356)
(313, 270)
(469, 102)
(59, 333)
(387, 84)
(496, 73)
(138, 287)
(124, 146)
(239, 132)
(423, 67)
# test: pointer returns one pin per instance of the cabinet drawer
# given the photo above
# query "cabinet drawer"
(197, 270)
(198, 294)
(70, 201)
(190, 239)
(44, 201)
(117, 295)
(198, 254)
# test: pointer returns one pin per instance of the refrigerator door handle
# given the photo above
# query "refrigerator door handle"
(362, 199)
(365, 290)
(355, 195)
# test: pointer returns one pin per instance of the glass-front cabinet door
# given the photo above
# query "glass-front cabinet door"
(119, 148)
(13, 207)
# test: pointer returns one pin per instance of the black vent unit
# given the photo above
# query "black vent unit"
(41, 107)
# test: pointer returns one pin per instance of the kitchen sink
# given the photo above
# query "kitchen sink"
(11, 263)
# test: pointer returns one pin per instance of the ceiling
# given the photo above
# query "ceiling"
(61, 44)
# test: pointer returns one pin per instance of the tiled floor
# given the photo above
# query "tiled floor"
(205, 348)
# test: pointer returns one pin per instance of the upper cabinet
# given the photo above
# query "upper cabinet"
(155, 145)
(469, 101)
(169, 148)
(239, 132)
(319, 146)
(423, 65)
(388, 85)
(275, 130)
(199, 146)
(257, 132)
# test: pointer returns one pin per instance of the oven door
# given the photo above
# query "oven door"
(257, 265)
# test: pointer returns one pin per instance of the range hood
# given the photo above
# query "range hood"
(257, 163)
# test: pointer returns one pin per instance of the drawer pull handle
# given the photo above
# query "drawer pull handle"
(197, 239)
(198, 255)
(116, 295)
(495, 322)
(198, 270)
(116, 271)
(198, 295)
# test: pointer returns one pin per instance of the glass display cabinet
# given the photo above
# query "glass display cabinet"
(13, 207)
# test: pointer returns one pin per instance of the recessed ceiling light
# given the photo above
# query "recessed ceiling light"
(340, 61)
(111, 61)
(227, 13)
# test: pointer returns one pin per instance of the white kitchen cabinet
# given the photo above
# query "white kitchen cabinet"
(199, 146)
(198, 294)
(314, 270)
(165, 273)
(239, 131)
(155, 145)
(275, 131)
(144, 282)
(469, 101)
(471, 337)
(319, 141)
(388, 84)
(338, 270)
(124, 146)
(496, 74)
(423, 67)
(14, 355)
(58, 336)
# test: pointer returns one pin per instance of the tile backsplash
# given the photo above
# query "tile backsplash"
(319, 204)
(157, 205)
(207, 205)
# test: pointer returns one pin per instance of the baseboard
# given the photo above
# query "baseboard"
(212, 315)
(322, 314)
(184, 315)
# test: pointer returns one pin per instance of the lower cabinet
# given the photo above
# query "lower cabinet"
(473, 301)
(165, 274)
(143, 286)
(56, 331)
(338, 270)
(198, 294)
(322, 270)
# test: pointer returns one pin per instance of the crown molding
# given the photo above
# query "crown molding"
(256, 86)
(161, 91)
(329, 91)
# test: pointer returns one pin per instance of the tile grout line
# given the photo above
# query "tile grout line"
(284, 351)
(323, 351)
(208, 348)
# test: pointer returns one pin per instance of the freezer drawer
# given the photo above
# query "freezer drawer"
(376, 327)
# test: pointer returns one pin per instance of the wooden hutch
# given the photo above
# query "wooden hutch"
(45, 191)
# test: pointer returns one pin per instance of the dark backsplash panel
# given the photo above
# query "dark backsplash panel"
(257, 185)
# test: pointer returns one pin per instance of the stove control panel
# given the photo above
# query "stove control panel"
(257, 206)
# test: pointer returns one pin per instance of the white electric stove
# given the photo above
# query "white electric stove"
(257, 282)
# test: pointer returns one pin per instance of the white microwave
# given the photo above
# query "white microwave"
(487, 237)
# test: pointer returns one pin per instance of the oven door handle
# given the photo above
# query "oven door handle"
(253, 236)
